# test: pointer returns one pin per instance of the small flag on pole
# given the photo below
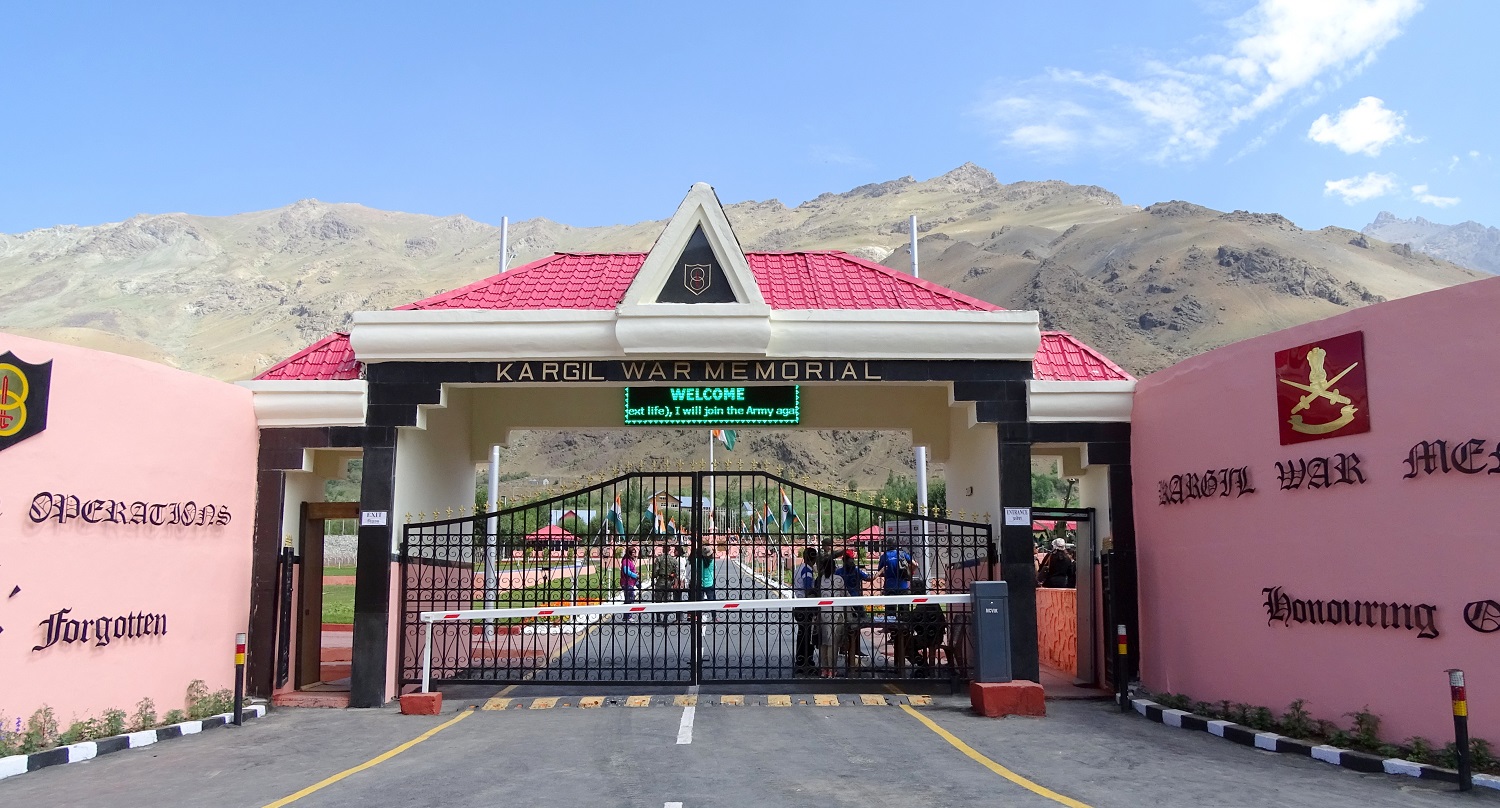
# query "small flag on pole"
(726, 437)
(788, 515)
(615, 519)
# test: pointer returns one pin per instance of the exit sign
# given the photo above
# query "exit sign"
(713, 406)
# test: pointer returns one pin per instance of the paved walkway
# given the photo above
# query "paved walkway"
(805, 754)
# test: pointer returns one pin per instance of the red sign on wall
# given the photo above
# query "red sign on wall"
(1321, 390)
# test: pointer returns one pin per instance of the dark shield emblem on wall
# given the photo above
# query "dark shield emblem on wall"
(1321, 390)
(697, 277)
(23, 399)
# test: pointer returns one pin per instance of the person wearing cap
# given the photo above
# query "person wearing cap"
(1058, 569)
(854, 576)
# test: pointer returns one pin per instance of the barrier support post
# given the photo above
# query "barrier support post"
(1122, 654)
(239, 680)
(427, 660)
(1460, 696)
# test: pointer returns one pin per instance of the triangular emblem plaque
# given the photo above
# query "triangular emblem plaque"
(698, 275)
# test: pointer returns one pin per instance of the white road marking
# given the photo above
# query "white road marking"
(685, 729)
(672, 805)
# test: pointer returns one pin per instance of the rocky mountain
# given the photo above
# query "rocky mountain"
(229, 296)
(1468, 244)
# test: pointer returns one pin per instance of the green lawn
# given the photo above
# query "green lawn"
(332, 571)
(338, 605)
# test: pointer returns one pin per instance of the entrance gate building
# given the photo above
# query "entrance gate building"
(422, 392)
(744, 530)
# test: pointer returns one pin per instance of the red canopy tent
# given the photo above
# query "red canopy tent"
(549, 536)
(1049, 524)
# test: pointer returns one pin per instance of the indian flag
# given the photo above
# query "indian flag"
(615, 519)
(769, 516)
(788, 515)
(726, 437)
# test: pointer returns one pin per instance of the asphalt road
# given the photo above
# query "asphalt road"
(737, 757)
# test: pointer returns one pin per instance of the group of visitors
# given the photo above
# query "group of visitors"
(825, 634)
(672, 573)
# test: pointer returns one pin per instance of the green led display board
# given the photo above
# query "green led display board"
(712, 406)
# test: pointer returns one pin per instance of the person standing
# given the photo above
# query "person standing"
(804, 584)
(705, 570)
(830, 618)
(1058, 571)
(630, 577)
(896, 569)
(663, 572)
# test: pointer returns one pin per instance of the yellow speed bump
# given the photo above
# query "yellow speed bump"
(919, 701)
(778, 701)
(544, 703)
(872, 700)
(685, 701)
(638, 701)
(825, 700)
(591, 701)
(732, 701)
(496, 704)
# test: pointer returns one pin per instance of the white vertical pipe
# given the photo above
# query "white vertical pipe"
(492, 539)
(427, 660)
(504, 243)
(921, 451)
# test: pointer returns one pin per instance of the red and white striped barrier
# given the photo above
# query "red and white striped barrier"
(757, 604)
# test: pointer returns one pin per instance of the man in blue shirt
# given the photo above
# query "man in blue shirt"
(804, 582)
(897, 569)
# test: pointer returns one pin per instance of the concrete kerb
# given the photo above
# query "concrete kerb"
(1272, 742)
(88, 750)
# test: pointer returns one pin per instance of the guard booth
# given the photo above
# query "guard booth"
(573, 342)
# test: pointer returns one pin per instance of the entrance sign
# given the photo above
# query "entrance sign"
(1321, 391)
(1018, 516)
(712, 406)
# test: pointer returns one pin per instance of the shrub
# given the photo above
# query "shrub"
(202, 704)
(10, 742)
(1482, 755)
(1205, 709)
(144, 716)
(41, 731)
(1419, 749)
(174, 717)
(1261, 718)
(1297, 722)
(112, 723)
(1173, 701)
(1366, 730)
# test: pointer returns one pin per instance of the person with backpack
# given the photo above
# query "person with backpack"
(805, 585)
(1058, 571)
(896, 568)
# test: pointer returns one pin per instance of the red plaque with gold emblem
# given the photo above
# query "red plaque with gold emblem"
(1321, 391)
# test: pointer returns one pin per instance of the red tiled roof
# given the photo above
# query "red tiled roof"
(329, 359)
(803, 280)
(1062, 358)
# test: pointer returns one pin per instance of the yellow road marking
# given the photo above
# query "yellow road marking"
(685, 701)
(497, 703)
(872, 700)
(591, 701)
(992, 765)
(778, 701)
(732, 701)
(544, 703)
(371, 762)
(825, 700)
(638, 701)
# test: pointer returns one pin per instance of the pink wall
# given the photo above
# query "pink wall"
(1432, 365)
(127, 430)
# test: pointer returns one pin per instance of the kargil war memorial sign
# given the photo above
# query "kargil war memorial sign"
(124, 558)
(1351, 575)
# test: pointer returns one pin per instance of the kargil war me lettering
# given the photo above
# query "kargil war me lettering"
(66, 507)
(101, 629)
(1286, 610)
(831, 370)
(1466, 457)
(1181, 488)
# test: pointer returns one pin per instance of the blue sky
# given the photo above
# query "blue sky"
(605, 113)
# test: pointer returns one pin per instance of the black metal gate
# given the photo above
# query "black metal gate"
(693, 535)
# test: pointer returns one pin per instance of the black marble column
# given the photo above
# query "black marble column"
(372, 583)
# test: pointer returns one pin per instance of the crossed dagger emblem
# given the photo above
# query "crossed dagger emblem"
(1320, 386)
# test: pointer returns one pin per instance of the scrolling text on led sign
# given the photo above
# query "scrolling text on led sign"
(712, 406)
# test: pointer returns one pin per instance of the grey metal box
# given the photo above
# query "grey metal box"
(991, 630)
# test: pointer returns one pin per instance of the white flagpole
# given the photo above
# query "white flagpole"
(710, 478)
(921, 452)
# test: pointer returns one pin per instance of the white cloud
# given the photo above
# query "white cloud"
(1361, 189)
(1366, 127)
(1280, 49)
(1419, 192)
(1473, 153)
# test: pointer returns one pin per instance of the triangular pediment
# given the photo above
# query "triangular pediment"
(696, 260)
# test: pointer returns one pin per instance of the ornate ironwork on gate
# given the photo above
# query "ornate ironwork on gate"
(691, 535)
